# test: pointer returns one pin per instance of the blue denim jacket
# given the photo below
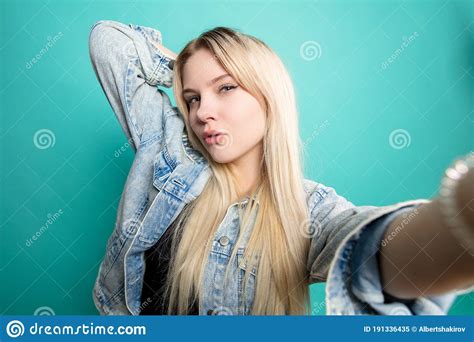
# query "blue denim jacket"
(167, 173)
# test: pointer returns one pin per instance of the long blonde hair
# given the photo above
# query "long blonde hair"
(277, 245)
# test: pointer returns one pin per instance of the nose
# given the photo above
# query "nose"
(206, 110)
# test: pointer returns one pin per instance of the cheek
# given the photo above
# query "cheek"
(253, 124)
(194, 127)
(247, 116)
(192, 121)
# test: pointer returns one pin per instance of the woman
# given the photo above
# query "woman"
(216, 217)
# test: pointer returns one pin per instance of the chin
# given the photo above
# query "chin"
(222, 157)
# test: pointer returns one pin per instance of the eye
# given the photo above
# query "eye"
(227, 87)
(190, 100)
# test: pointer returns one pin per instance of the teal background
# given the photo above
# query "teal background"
(349, 104)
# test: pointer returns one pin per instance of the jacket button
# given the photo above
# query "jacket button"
(210, 312)
(224, 241)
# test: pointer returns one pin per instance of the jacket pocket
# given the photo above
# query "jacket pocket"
(245, 299)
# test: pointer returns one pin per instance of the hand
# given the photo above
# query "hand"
(166, 52)
(456, 199)
(465, 198)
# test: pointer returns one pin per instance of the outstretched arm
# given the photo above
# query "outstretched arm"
(421, 257)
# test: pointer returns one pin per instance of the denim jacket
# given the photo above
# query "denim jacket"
(167, 173)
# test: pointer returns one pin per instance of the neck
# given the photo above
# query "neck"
(248, 170)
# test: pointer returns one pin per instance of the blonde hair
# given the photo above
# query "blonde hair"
(277, 245)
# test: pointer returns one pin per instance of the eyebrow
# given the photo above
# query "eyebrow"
(210, 83)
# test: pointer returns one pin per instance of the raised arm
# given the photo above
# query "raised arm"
(130, 62)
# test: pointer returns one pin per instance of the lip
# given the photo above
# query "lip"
(213, 139)
(210, 136)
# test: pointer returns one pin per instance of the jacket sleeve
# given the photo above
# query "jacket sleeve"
(366, 285)
(130, 67)
(342, 253)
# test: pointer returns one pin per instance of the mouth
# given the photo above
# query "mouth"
(214, 139)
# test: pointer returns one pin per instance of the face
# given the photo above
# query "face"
(218, 105)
